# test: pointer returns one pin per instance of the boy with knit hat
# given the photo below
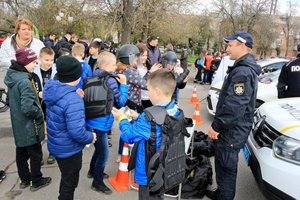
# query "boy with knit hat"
(67, 135)
(26, 118)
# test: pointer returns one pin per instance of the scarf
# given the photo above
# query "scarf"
(22, 43)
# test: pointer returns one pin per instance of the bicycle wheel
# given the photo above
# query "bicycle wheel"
(3, 106)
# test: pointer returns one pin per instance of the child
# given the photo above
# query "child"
(94, 50)
(27, 119)
(44, 71)
(169, 61)
(128, 56)
(161, 85)
(143, 71)
(78, 53)
(67, 135)
(199, 63)
(103, 124)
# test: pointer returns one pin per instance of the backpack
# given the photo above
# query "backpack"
(166, 168)
(98, 96)
(198, 176)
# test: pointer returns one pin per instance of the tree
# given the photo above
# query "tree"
(289, 26)
(242, 15)
(10, 11)
(265, 34)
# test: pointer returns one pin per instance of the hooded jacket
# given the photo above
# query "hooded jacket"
(235, 108)
(25, 110)
(67, 134)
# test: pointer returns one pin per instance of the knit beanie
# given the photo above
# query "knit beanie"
(24, 56)
(68, 68)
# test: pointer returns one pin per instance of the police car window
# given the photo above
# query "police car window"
(274, 67)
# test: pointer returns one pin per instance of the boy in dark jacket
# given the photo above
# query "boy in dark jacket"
(67, 135)
(103, 124)
(27, 119)
(161, 85)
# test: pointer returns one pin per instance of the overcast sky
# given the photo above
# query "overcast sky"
(282, 6)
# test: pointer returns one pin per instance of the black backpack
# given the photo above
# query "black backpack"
(98, 96)
(166, 168)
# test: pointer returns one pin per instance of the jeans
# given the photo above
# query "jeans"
(226, 163)
(34, 153)
(206, 77)
(100, 156)
(198, 76)
(69, 168)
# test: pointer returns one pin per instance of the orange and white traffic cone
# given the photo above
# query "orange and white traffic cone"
(121, 181)
(196, 115)
(194, 99)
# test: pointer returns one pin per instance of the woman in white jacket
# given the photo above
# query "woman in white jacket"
(21, 39)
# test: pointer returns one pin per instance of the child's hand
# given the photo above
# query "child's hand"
(121, 78)
(134, 114)
(186, 79)
(155, 67)
(80, 92)
(40, 95)
(94, 137)
(117, 113)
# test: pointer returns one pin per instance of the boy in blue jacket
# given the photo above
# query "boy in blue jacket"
(67, 135)
(102, 125)
(161, 85)
(78, 53)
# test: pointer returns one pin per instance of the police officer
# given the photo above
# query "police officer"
(234, 113)
(289, 78)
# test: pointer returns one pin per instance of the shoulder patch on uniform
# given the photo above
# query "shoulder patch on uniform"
(239, 88)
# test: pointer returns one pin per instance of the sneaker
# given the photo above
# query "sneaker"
(2, 175)
(109, 144)
(24, 184)
(44, 181)
(90, 174)
(102, 188)
(212, 194)
(50, 160)
(105, 175)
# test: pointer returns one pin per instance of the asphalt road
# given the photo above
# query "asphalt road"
(246, 187)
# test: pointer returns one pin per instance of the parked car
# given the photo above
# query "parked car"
(267, 90)
(273, 148)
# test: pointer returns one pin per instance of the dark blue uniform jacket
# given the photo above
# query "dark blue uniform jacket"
(235, 108)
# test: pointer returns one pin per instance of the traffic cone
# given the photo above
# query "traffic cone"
(121, 181)
(194, 99)
(196, 115)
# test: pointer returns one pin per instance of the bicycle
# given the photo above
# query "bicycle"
(3, 105)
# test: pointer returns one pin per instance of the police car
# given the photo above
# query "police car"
(273, 148)
(267, 89)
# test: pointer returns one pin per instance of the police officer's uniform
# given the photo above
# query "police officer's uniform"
(289, 79)
(233, 121)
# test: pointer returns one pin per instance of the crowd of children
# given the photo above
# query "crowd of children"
(48, 99)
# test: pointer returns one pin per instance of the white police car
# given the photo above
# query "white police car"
(267, 89)
(273, 148)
